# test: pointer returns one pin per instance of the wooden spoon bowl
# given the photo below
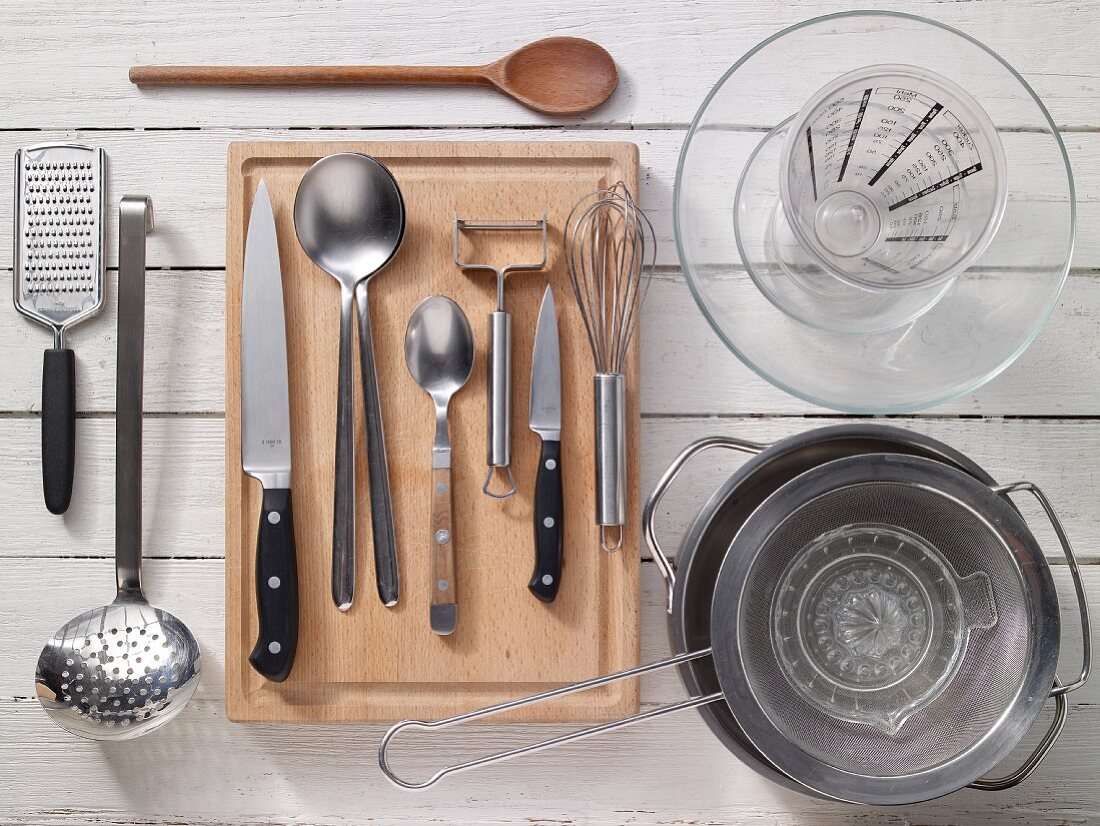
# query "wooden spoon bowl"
(557, 76)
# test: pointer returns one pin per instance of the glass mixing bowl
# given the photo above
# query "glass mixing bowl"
(874, 211)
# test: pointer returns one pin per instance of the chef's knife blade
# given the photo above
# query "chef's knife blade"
(545, 420)
(265, 441)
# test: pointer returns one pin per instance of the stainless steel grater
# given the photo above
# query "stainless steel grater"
(59, 267)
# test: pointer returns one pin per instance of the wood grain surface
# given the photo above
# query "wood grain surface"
(371, 663)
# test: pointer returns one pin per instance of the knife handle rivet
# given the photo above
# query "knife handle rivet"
(443, 585)
(274, 518)
(274, 582)
(547, 579)
(548, 521)
(442, 537)
(551, 464)
(274, 647)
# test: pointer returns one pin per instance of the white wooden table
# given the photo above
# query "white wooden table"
(63, 76)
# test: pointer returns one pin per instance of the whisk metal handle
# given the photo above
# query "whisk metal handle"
(610, 396)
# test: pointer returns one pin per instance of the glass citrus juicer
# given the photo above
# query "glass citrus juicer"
(874, 211)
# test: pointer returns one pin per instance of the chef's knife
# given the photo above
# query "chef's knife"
(265, 441)
(545, 420)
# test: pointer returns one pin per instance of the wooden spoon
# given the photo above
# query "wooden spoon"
(557, 75)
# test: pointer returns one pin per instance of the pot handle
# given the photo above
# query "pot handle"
(1060, 689)
(579, 734)
(664, 564)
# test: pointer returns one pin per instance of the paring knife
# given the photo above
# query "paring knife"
(545, 420)
(265, 441)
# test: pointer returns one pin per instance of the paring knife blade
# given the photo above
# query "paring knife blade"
(545, 420)
(265, 441)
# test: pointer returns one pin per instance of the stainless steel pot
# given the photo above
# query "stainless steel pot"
(691, 574)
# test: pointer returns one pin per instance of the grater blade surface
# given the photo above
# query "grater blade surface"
(59, 233)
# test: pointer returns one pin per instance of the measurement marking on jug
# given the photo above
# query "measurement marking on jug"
(880, 265)
(917, 238)
(810, 152)
(855, 132)
(912, 136)
(928, 190)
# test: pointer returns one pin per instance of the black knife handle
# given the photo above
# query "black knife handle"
(548, 515)
(58, 428)
(276, 588)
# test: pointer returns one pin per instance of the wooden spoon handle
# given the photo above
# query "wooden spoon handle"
(306, 75)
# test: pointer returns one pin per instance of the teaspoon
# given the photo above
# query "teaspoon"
(439, 351)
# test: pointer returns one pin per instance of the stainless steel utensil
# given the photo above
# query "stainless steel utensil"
(983, 519)
(439, 351)
(58, 282)
(701, 551)
(122, 670)
(350, 218)
(265, 441)
(544, 419)
(499, 386)
(609, 246)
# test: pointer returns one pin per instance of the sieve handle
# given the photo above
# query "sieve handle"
(668, 571)
(1075, 572)
(580, 734)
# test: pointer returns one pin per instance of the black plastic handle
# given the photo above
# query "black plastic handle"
(276, 588)
(548, 515)
(58, 428)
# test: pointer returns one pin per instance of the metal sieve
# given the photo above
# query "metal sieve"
(974, 600)
(913, 634)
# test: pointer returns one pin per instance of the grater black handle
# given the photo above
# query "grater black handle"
(58, 428)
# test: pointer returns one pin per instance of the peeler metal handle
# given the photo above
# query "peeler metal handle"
(499, 388)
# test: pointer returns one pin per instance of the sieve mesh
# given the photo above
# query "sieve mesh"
(990, 671)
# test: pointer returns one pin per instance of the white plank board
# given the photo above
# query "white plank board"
(685, 367)
(73, 70)
(183, 171)
(184, 477)
(203, 769)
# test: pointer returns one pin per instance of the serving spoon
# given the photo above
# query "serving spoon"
(555, 76)
(350, 218)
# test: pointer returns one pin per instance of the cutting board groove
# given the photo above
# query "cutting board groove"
(374, 664)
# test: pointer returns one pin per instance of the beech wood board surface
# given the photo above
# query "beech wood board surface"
(373, 664)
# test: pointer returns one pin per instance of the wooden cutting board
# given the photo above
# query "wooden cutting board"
(373, 664)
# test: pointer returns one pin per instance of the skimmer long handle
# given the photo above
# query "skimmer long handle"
(135, 219)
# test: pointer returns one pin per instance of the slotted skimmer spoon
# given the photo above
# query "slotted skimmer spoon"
(120, 671)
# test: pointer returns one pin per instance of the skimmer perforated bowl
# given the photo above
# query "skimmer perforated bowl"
(890, 628)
